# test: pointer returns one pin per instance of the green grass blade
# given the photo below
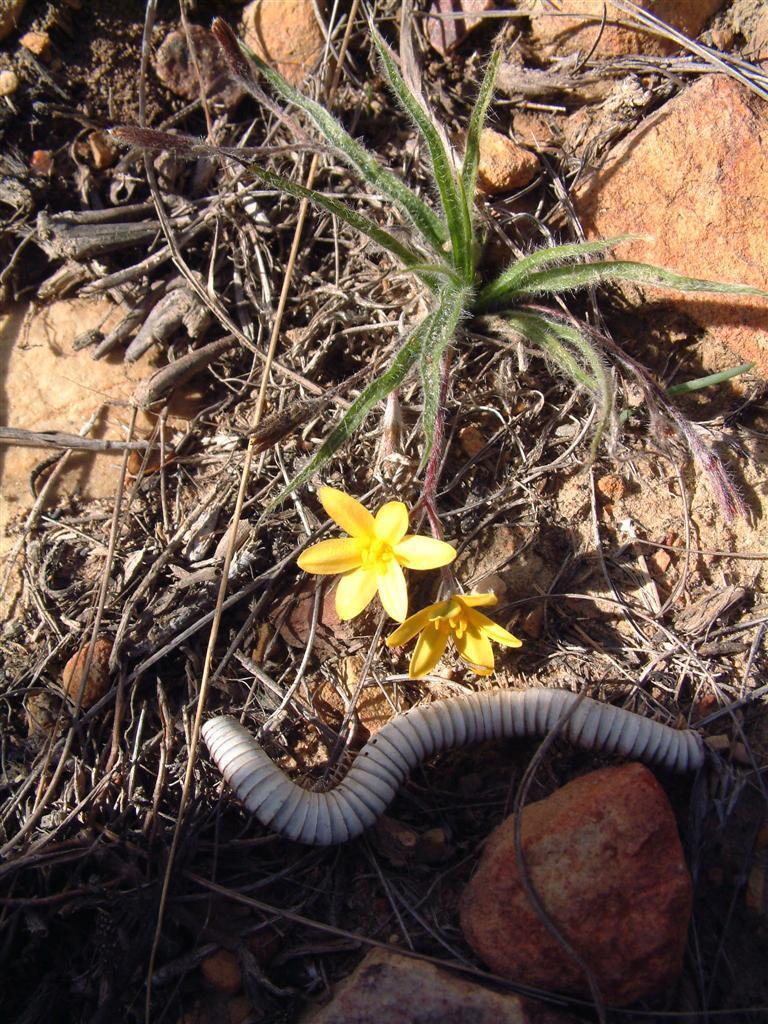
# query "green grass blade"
(711, 380)
(392, 377)
(562, 279)
(439, 336)
(476, 122)
(450, 196)
(408, 257)
(507, 285)
(384, 181)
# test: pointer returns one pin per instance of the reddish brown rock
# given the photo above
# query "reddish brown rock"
(446, 33)
(693, 181)
(390, 987)
(286, 33)
(577, 26)
(611, 487)
(176, 69)
(97, 680)
(504, 166)
(604, 856)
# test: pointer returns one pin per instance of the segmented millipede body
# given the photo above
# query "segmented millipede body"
(384, 763)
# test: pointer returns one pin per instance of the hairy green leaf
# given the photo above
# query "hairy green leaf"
(378, 389)
(507, 286)
(563, 279)
(408, 257)
(425, 220)
(450, 196)
(476, 122)
(538, 331)
(591, 356)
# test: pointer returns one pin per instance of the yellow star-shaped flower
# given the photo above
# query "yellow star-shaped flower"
(456, 619)
(373, 555)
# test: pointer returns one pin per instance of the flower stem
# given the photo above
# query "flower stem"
(434, 465)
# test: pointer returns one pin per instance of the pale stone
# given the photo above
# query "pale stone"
(9, 82)
(389, 987)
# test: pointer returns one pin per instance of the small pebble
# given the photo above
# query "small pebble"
(41, 162)
(504, 166)
(610, 487)
(103, 151)
(533, 622)
(179, 72)
(43, 712)
(9, 82)
(222, 970)
(97, 681)
(471, 440)
(661, 559)
(723, 38)
(285, 33)
(38, 43)
(447, 33)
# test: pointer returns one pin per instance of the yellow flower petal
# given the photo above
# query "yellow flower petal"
(429, 650)
(415, 623)
(475, 648)
(493, 630)
(347, 512)
(393, 591)
(331, 556)
(477, 600)
(392, 522)
(355, 592)
(423, 552)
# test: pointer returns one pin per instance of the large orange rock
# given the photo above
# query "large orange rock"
(693, 180)
(577, 26)
(604, 856)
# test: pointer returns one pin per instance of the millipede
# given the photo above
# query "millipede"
(388, 758)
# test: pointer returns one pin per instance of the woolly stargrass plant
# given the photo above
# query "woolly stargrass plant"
(443, 250)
